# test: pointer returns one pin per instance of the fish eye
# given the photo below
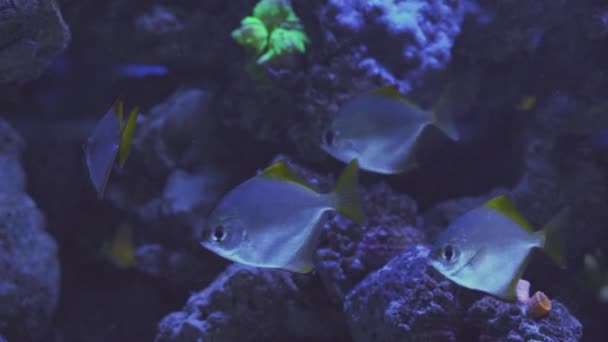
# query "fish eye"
(448, 253)
(219, 234)
(329, 137)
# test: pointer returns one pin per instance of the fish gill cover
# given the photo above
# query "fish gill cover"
(221, 101)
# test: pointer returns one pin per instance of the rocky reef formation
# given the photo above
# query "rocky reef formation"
(32, 33)
(30, 271)
(216, 117)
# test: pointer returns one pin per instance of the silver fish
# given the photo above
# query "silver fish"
(112, 136)
(272, 219)
(488, 248)
(383, 131)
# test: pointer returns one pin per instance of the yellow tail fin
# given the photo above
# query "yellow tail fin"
(554, 236)
(458, 97)
(347, 193)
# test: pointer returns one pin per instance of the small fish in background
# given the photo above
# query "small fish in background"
(383, 130)
(120, 250)
(138, 70)
(488, 248)
(596, 275)
(112, 136)
(527, 103)
(272, 219)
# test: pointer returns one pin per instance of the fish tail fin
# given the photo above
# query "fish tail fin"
(458, 97)
(347, 193)
(442, 118)
(554, 238)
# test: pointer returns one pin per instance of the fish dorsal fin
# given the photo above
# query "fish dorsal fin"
(503, 205)
(393, 93)
(127, 136)
(280, 171)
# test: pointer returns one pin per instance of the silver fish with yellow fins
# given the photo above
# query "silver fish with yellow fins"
(488, 248)
(384, 131)
(112, 136)
(273, 219)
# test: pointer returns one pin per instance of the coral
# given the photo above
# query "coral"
(11, 147)
(421, 33)
(538, 306)
(404, 300)
(348, 251)
(30, 272)
(249, 304)
(32, 32)
(274, 30)
(500, 321)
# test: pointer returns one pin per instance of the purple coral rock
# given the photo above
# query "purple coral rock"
(405, 300)
(29, 266)
(420, 34)
(32, 32)
(249, 304)
(501, 321)
(349, 252)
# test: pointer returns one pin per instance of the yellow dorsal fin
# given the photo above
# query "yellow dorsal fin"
(503, 205)
(389, 91)
(393, 93)
(281, 171)
(128, 130)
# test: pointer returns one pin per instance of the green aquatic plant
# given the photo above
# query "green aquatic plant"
(274, 30)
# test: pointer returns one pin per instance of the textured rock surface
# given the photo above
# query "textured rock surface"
(499, 321)
(248, 304)
(32, 32)
(348, 251)
(420, 32)
(29, 268)
(404, 300)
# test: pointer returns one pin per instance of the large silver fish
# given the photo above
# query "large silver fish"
(488, 248)
(272, 219)
(383, 131)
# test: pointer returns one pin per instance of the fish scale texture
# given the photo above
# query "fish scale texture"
(29, 267)
(499, 321)
(404, 300)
